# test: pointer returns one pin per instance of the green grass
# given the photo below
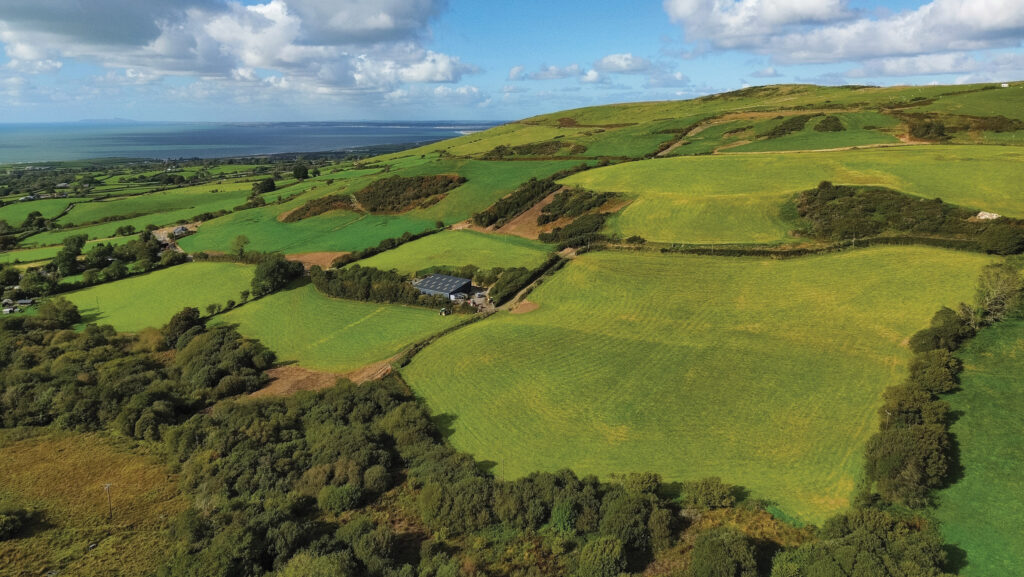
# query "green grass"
(333, 334)
(150, 300)
(347, 231)
(459, 248)
(16, 212)
(739, 198)
(767, 373)
(982, 512)
(197, 199)
(62, 476)
(48, 252)
(1008, 102)
(810, 139)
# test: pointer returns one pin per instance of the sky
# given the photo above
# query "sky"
(308, 60)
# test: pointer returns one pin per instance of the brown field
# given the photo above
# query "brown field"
(61, 476)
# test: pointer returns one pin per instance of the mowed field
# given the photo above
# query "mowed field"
(150, 300)
(334, 335)
(460, 248)
(61, 476)
(734, 198)
(982, 512)
(767, 373)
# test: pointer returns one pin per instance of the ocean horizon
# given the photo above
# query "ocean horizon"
(59, 142)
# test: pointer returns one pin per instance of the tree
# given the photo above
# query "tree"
(708, 493)
(245, 295)
(264, 186)
(300, 171)
(1000, 291)
(1002, 239)
(60, 310)
(181, 323)
(66, 261)
(238, 245)
(272, 273)
(722, 552)
(212, 309)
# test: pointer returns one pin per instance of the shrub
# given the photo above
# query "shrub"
(603, 557)
(338, 499)
(11, 522)
(722, 552)
(708, 493)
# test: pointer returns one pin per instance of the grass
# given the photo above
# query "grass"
(1008, 102)
(16, 212)
(810, 139)
(982, 512)
(150, 300)
(48, 252)
(348, 231)
(62, 475)
(335, 335)
(767, 373)
(197, 199)
(459, 248)
(740, 198)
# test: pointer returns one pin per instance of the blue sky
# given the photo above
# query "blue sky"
(264, 60)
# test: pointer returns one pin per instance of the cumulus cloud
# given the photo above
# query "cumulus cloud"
(623, 64)
(318, 46)
(592, 77)
(1010, 64)
(769, 72)
(666, 79)
(516, 73)
(824, 31)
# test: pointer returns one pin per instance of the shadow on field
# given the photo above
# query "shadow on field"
(956, 559)
(445, 425)
(956, 466)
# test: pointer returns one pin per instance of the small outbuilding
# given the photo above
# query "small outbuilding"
(444, 285)
(181, 231)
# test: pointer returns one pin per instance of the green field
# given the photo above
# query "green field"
(48, 252)
(460, 248)
(739, 198)
(810, 139)
(150, 300)
(348, 231)
(334, 334)
(198, 199)
(16, 212)
(1008, 102)
(767, 373)
(982, 512)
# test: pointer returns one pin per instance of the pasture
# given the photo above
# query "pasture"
(48, 252)
(197, 199)
(981, 513)
(460, 248)
(150, 300)
(767, 373)
(347, 231)
(334, 335)
(16, 212)
(740, 198)
(62, 475)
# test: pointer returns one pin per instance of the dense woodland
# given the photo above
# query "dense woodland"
(400, 193)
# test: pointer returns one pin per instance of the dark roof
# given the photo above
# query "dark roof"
(442, 283)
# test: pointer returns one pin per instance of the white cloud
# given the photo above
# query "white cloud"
(556, 73)
(769, 72)
(592, 77)
(515, 73)
(312, 46)
(665, 79)
(822, 31)
(623, 64)
(1009, 65)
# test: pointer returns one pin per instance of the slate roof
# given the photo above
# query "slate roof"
(442, 283)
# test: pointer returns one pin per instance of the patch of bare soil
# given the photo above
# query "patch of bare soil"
(284, 215)
(525, 225)
(370, 372)
(523, 307)
(308, 259)
(291, 379)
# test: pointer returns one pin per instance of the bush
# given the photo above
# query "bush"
(1002, 239)
(61, 311)
(722, 552)
(708, 493)
(830, 124)
(399, 193)
(336, 500)
(11, 522)
(603, 557)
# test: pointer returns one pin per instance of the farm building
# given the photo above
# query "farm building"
(450, 287)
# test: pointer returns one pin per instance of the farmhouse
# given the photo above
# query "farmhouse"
(451, 287)
(181, 231)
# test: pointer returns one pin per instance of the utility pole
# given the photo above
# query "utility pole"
(110, 506)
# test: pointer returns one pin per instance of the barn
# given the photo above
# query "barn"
(450, 287)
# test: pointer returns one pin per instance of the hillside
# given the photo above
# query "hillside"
(732, 319)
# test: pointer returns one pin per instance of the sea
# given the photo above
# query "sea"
(40, 143)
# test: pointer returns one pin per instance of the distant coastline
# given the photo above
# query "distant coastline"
(99, 139)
